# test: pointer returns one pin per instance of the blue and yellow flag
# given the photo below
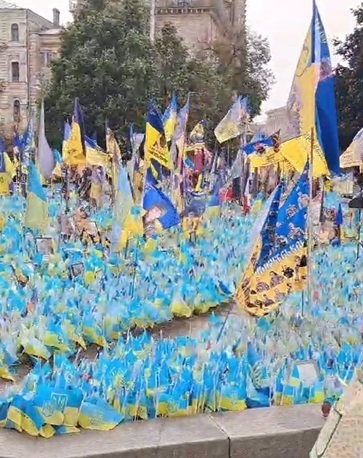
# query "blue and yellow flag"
(126, 223)
(66, 136)
(235, 121)
(311, 103)
(197, 135)
(7, 171)
(112, 146)
(36, 216)
(279, 258)
(180, 130)
(76, 144)
(264, 152)
(170, 117)
(28, 143)
(95, 155)
(155, 144)
(159, 212)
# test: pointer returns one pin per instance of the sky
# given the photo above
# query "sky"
(283, 22)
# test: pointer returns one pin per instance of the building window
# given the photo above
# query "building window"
(15, 72)
(16, 111)
(46, 58)
(14, 32)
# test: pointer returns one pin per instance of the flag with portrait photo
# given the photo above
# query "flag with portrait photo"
(159, 212)
(279, 259)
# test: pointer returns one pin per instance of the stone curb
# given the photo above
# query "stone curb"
(278, 432)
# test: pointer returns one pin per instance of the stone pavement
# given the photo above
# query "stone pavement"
(277, 432)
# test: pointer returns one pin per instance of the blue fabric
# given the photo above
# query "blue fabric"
(264, 143)
(34, 185)
(154, 197)
(154, 119)
(326, 114)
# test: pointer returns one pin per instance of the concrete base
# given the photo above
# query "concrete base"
(279, 432)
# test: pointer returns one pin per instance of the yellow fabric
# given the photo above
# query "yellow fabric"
(74, 152)
(5, 181)
(301, 106)
(262, 292)
(36, 216)
(133, 227)
(169, 126)
(57, 172)
(111, 145)
(96, 158)
(156, 148)
(7, 177)
(96, 191)
(297, 152)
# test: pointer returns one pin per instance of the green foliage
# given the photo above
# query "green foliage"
(349, 82)
(109, 62)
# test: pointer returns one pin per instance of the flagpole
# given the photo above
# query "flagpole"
(310, 225)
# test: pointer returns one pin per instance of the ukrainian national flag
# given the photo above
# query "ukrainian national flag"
(179, 134)
(7, 171)
(36, 216)
(170, 117)
(66, 136)
(235, 121)
(57, 172)
(155, 143)
(125, 223)
(95, 155)
(311, 103)
(76, 144)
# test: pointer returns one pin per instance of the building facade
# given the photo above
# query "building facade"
(198, 22)
(278, 120)
(28, 42)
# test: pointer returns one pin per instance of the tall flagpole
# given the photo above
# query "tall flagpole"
(310, 224)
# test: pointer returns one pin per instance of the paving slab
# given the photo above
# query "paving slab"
(276, 432)
(188, 437)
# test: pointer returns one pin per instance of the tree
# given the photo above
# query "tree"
(106, 60)
(109, 62)
(193, 75)
(349, 82)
